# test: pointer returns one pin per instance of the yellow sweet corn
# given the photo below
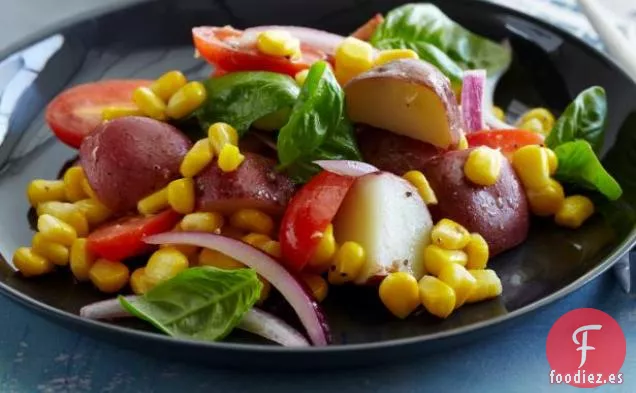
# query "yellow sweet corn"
(477, 251)
(219, 260)
(574, 211)
(318, 286)
(40, 191)
(67, 212)
(399, 293)
(278, 43)
(149, 103)
(266, 289)
(56, 230)
(463, 143)
(115, 112)
(94, 211)
(54, 252)
(154, 203)
(220, 134)
(88, 190)
(483, 166)
(436, 258)
(547, 200)
(325, 250)
(181, 195)
(168, 84)
(347, 263)
(458, 278)
(81, 260)
(419, 181)
(109, 276)
(202, 222)
(256, 239)
(31, 264)
(272, 248)
(437, 297)
(449, 235)
(541, 116)
(199, 156)
(532, 125)
(164, 264)
(230, 158)
(531, 165)
(186, 100)
(488, 285)
(301, 76)
(353, 55)
(553, 161)
(389, 55)
(499, 113)
(74, 177)
(139, 282)
(252, 220)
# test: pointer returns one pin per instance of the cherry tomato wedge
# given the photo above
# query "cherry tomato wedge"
(123, 238)
(506, 140)
(309, 212)
(220, 46)
(75, 112)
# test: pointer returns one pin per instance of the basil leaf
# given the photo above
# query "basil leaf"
(203, 303)
(425, 23)
(579, 165)
(585, 118)
(317, 128)
(241, 98)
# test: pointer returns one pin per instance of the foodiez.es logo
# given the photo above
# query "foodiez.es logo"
(586, 348)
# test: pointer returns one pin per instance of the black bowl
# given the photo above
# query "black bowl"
(143, 40)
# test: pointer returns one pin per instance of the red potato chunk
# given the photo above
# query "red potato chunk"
(255, 184)
(498, 212)
(129, 158)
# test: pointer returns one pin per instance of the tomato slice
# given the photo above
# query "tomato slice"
(365, 32)
(123, 238)
(309, 212)
(506, 140)
(75, 112)
(220, 46)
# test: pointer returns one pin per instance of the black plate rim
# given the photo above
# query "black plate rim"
(103, 327)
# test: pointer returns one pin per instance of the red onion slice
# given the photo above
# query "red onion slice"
(294, 292)
(255, 321)
(346, 168)
(473, 85)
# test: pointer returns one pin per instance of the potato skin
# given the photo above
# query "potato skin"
(129, 158)
(255, 184)
(499, 212)
(392, 152)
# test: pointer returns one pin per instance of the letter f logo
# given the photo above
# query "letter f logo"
(584, 347)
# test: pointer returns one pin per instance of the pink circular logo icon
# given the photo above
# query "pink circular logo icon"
(586, 348)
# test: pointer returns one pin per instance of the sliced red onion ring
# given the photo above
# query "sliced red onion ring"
(318, 39)
(255, 321)
(294, 292)
(347, 168)
(473, 85)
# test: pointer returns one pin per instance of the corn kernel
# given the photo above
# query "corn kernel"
(219, 260)
(109, 276)
(230, 158)
(164, 264)
(458, 278)
(266, 289)
(574, 211)
(115, 112)
(202, 222)
(347, 263)
(256, 239)
(542, 119)
(45, 190)
(400, 294)
(419, 181)
(389, 55)
(195, 160)
(272, 248)
(94, 211)
(483, 166)
(477, 251)
(191, 252)
(488, 285)
(186, 100)
(499, 113)
(449, 235)
(463, 143)
(531, 164)
(56, 230)
(325, 250)
(31, 264)
(354, 55)
(435, 258)
(149, 103)
(553, 161)
(437, 297)
(532, 125)
(88, 190)
(54, 252)
(546, 201)
(317, 285)
(181, 195)
(168, 84)
(73, 180)
(301, 76)
(154, 203)
(278, 43)
(67, 212)
(139, 282)
(252, 220)
(81, 260)
(220, 134)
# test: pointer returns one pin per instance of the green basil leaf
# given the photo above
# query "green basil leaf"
(578, 165)
(414, 23)
(585, 118)
(203, 303)
(241, 98)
